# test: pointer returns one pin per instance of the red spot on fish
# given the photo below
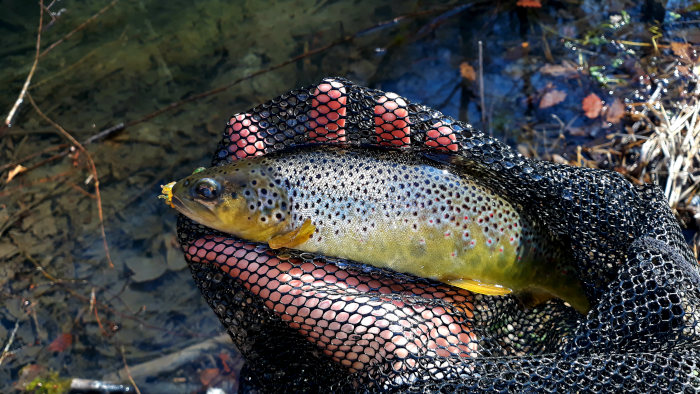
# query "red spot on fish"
(447, 234)
(500, 250)
(466, 218)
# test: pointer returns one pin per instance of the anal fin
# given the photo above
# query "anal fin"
(479, 287)
(293, 238)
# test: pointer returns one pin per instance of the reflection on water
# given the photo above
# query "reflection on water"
(140, 56)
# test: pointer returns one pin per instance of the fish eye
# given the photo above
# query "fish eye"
(206, 189)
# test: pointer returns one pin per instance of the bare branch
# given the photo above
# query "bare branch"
(20, 99)
(93, 171)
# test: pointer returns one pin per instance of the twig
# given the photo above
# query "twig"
(5, 351)
(172, 361)
(128, 373)
(81, 190)
(33, 155)
(481, 86)
(104, 133)
(93, 307)
(7, 192)
(93, 171)
(20, 99)
(77, 29)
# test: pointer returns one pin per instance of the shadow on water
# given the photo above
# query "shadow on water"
(75, 315)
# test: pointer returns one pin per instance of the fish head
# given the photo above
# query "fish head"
(239, 199)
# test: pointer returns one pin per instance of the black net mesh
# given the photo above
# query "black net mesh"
(313, 323)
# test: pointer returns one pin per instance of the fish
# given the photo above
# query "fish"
(390, 209)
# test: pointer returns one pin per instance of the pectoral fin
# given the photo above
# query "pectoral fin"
(293, 238)
(479, 287)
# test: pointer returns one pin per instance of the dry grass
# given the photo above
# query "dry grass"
(671, 155)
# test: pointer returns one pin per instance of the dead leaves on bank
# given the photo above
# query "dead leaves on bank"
(593, 107)
(685, 52)
(61, 343)
(552, 98)
(529, 3)
(15, 171)
(615, 112)
(467, 71)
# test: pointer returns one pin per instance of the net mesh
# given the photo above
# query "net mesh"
(313, 323)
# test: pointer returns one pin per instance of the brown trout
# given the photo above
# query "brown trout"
(383, 208)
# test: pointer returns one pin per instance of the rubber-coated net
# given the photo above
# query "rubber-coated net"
(312, 323)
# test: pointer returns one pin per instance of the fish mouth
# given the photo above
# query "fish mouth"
(180, 206)
(184, 209)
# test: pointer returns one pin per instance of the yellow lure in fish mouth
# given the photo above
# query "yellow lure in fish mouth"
(167, 193)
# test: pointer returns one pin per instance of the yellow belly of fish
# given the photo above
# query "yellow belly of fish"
(435, 252)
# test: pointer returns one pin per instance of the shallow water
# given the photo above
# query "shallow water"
(140, 56)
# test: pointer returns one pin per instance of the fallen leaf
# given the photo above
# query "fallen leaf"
(684, 51)
(558, 70)
(7, 250)
(529, 3)
(225, 360)
(27, 374)
(467, 71)
(61, 343)
(577, 131)
(15, 171)
(208, 375)
(552, 98)
(615, 112)
(592, 105)
(146, 270)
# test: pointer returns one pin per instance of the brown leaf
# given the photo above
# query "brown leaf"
(577, 131)
(684, 51)
(27, 374)
(558, 70)
(529, 3)
(208, 375)
(592, 105)
(15, 171)
(615, 112)
(61, 343)
(552, 98)
(467, 71)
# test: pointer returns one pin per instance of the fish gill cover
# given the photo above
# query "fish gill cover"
(307, 322)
